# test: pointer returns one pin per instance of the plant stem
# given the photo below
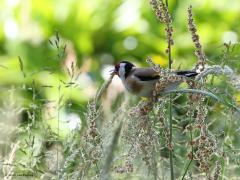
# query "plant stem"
(170, 126)
(170, 106)
(223, 168)
(205, 93)
(58, 120)
(186, 170)
(166, 3)
(170, 138)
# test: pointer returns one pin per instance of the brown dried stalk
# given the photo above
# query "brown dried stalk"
(163, 15)
(200, 66)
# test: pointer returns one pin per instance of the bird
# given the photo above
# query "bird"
(142, 81)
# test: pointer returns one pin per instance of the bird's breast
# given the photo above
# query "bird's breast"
(139, 88)
(132, 85)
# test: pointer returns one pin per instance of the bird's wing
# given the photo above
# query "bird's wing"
(146, 74)
(189, 73)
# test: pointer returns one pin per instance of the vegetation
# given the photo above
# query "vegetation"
(55, 121)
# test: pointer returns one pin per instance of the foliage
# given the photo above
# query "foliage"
(55, 123)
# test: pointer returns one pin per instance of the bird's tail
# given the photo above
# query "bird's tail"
(187, 73)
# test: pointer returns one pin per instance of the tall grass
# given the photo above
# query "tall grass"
(179, 134)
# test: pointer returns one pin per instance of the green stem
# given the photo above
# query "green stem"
(206, 93)
(58, 120)
(223, 168)
(170, 138)
(170, 109)
(166, 2)
(186, 170)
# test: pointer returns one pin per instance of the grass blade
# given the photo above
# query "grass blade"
(21, 66)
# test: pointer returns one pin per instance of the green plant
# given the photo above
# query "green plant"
(187, 133)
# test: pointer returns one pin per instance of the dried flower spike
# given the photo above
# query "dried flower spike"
(200, 66)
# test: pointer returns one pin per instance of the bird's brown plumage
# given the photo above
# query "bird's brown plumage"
(142, 81)
(138, 78)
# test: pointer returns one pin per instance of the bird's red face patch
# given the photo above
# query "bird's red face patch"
(117, 69)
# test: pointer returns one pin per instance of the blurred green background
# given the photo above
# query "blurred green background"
(97, 34)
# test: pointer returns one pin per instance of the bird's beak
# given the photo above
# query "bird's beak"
(113, 72)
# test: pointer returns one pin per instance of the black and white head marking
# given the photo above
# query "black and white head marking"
(125, 68)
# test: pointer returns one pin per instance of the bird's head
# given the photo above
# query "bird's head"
(123, 68)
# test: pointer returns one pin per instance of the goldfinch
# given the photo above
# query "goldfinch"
(141, 81)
